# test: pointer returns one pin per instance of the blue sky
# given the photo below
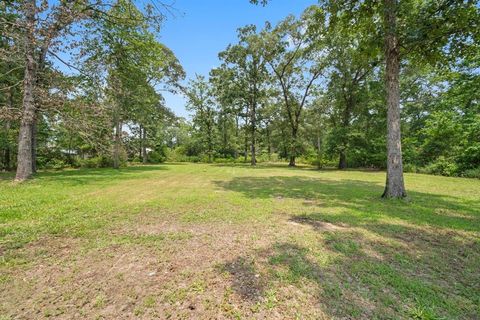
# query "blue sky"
(203, 28)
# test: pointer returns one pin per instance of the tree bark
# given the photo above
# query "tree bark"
(246, 141)
(394, 187)
(342, 162)
(236, 137)
(293, 148)
(24, 162)
(140, 138)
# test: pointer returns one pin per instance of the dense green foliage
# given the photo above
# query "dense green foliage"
(310, 89)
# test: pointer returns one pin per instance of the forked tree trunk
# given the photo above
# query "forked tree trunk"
(24, 162)
(394, 187)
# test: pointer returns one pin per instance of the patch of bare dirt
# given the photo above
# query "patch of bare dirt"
(178, 278)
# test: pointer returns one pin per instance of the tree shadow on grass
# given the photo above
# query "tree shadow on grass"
(362, 200)
(385, 251)
(261, 166)
(98, 175)
(355, 284)
(246, 281)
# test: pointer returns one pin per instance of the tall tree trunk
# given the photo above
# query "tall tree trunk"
(269, 144)
(253, 127)
(116, 148)
(24, 162)
(342, 162)
(293, 148)
(224, 136)
(210, 141)
(319, 151)
(144, 145)
(236, 137)
(246, 141)
(394, 187)
(140, 138)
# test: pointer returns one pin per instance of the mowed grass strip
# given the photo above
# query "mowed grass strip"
(230, 241)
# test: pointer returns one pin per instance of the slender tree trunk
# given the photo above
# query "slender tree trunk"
(342, 162)
(269, 144)
(140, 138)
(224, 135)
(253, 141)
(144, 145)
(236, 137)
(347, 114)
(116, 148)
(246, 141)
(24, 162)
(293, 148)
(394, 187)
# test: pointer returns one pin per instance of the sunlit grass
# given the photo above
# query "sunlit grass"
(326, 236)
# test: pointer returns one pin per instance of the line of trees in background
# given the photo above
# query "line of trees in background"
(81, 83)
(323, 89)
(328, 86)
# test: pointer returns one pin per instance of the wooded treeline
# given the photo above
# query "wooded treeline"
(81, 85)
(316, 88)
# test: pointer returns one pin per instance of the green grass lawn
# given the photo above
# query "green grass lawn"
(185, 241)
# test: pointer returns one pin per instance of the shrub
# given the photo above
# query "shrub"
(224, 160)
(55, 164)
(156, 157)
(470, 157)
(409, 167)
(96, 162)
(471, 173)
(442, 166)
